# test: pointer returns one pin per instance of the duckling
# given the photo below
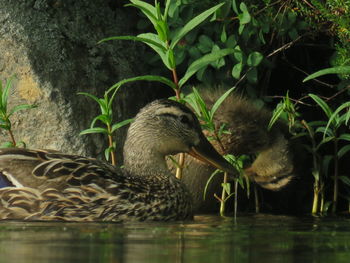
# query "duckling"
(273, 167)
(46, 185)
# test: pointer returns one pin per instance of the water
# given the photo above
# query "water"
(253, 238)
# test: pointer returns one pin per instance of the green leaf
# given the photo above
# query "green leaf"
(219, 102)
(105, 119)
(208, 182)
(94, 130)
(151, 41)
(254, 59)
(336, 114)
(90, 96)
(252, 75)
(160, 51)
(171, 58)
(234, 7)
(226, 187)
(149, 10)
(326, 109)
(333, 70)
(223, 36)
(236, 70)
(244, 18)
(161, 79)
(5, 93)
(21, 107)
(343, 150)
(275, 116)
(121, 124)
(345, 180)
(202, 62)
(192, 24)
(344, 137)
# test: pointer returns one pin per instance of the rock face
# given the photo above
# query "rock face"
(51, 47)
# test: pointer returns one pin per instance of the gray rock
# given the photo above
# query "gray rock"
(51, 47)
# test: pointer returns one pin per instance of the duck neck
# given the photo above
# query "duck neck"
(144, 162)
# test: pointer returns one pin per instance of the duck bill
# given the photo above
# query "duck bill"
(206, 153)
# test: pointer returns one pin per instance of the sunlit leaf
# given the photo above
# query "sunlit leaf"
(120, 124)
(94, 130)
(161, 79)
(219, 102)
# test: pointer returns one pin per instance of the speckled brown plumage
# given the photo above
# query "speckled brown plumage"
(44, 185)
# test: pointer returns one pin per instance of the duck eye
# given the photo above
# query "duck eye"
(184, 119)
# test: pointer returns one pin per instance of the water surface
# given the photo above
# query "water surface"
(251, 238)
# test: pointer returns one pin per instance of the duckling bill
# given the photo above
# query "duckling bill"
(44, 185)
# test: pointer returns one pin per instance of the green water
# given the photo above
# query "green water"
(252, 238)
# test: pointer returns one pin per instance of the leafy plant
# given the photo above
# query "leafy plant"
(163, 42)
(206, 116)
(6, 113)
(106, 118)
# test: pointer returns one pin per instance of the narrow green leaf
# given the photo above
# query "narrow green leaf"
(90, 96)
(234, 7)
(208, 182)
(7, 145)
(343, 150)
(192, 24)
(120, 124)
(103, 118)
(345, 180)
(344, 137)
(147, 40)
(160, 51)
(149, 10)
(219, 102)
(275, 116)
(333, 70)
(20, 107)
(202, 62)
(161, 79)
(326, 109)
(94, 130)
(336, 114)
(5, 93)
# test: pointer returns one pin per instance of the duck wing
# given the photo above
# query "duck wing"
(41, 169)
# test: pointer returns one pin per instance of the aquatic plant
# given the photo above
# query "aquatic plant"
(6, 113)
(106, 118)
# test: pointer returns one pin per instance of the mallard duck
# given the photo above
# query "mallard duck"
(45, 185)
(273, 167)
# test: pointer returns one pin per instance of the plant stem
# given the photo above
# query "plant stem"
(236, 200)
(335, 189)
(256, 199)
(316, 200)
(12, 138)
(181, 166)
(110, 144)
(223, 197)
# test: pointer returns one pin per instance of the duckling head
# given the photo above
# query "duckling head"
(166, 127)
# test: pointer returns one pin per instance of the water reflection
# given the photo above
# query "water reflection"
(262, 238)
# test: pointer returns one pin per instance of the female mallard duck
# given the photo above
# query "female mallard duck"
(273, 168)
(44, 185)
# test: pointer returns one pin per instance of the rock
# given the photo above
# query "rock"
(51, 47)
